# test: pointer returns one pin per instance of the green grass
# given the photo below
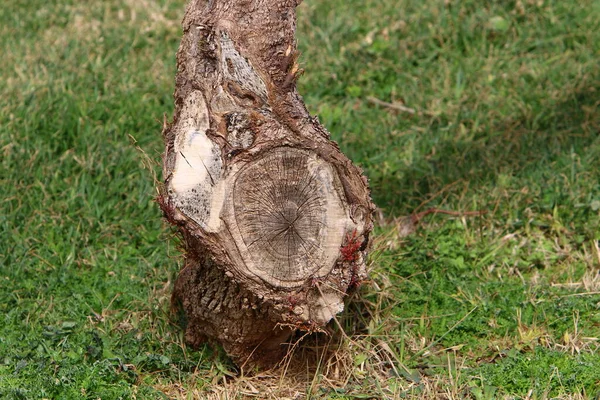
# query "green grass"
(507, 120)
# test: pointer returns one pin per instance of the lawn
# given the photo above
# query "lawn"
(487, 111)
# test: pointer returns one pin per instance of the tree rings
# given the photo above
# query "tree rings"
(289, 216)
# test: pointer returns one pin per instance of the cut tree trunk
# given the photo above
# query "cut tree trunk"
(275, 219)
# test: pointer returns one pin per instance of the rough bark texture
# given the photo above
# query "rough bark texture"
(275, 219)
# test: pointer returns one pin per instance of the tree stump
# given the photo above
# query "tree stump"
(274, 218)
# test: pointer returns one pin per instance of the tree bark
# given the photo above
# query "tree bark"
(274, 218)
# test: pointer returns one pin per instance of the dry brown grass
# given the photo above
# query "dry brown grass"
(356, 360)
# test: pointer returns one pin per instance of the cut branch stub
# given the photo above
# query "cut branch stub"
(289, 217)
(275, 218)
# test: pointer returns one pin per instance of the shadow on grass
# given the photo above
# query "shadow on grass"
(526, 147)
